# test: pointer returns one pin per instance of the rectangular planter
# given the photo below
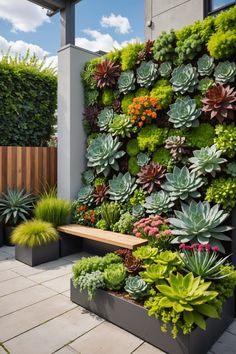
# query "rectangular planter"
(69, 244)
(37, 255)
(134, 319)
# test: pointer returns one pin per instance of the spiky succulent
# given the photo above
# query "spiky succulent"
(184, 79)
(207, 160)
(120, 125)
(136, 287)
(85, 195)
(184, 113)
(126, 82)
(205, 65)
(165, 69)
(100, 194)
(182, 183)
(104, 118)
(158, 203)
(146, 73)
(143, 159)
(225, 72)
(103, 152)
(176, 145)
(88, 176)
(121, 187)
(220, 102)
(106, 74)
(150, 176)
(199, 223)
(146, 53)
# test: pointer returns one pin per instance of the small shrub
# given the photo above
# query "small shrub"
(53, 210)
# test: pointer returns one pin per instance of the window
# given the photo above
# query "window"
(212, 7)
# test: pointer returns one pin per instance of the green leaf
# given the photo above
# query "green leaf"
(199, 320)
(188, 317)
(207, 310)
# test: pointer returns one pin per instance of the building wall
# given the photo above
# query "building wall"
(166, 14)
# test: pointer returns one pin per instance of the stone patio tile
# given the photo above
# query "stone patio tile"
(67, 350)
(54, 334)
(60, 284)
(52, 273)
(7, 275)
(66, 293)
(13, 285)
(26, 297)
(9, 250)
(4, 256)
(23, 320)
(27, 271)
(106, 338)
(76, 256)
(146, 348)
(226, 344)
(232, 328)
(2, 350)
(9, 264)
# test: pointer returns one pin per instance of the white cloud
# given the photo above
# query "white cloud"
(120, 23)
(22, 14)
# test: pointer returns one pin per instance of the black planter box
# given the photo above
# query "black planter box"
(1, 235)
(134, 319)
(37, 255)
(7, 234)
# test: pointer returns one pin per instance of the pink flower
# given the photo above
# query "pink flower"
(147, 229)
(215, 249)
(155, 223)
(158, 236)
(153, 231)
(167, 232)
(142, 225)
(138, 234)
(182, 246)
(135, 230)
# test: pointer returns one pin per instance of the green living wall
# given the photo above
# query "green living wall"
(27, 103)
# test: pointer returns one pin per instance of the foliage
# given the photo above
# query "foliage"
(150, 137)
(201, 136)
(136, 287)
(127, 101)
(34, 233)
(129, 55)
(189, 48)
(205, 65)
(146, 73)
(85, 195)
(225, 139)
(176, 145)
(88, 73)
(143, 109)
(158, 203)
(120, 125)
(165, 69)
(133, 166)
(184, 78)
(163, 92)
(105, 118)
(53, 210)
(138, 197)
(154, 273)
(114, 276)
(145, 253)
(151, 176)
(90, 282)
(100, 194)
(222, 45)
(126, 82)
(88, 176)
(132, 264)
(110, 213)
(142, 91)
(226, 20)
(164, 47)
(184, 113)
(107, 97)
(91, 97)
(132, 147)
(230, 169)
(82, 215)
(121, 187)
(205, 84)
(106, 74)
(125, 224)
(163, 157)
(225, 72)
(15, 206)
(143, 159)
(90, 120)
(222, 191)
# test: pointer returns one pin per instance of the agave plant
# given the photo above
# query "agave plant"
(207, 160)
(88, 176)
(219, 102)
(126, 82)
(100, 194)
(143, 159)
(199, 223)
(106, 74)
(205, 65)
(103, 152)
(150, 176)
(176, 145)
(225, 72)
(121, 187)
(184, 113)
(136, 287)
(85, 195)
(184, 79)
(120, 125)
(165, 69)
(104, 119)
(158, 203)
(146, 73)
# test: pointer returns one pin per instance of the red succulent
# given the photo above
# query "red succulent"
(91, 115)
(132, 264)
(219, 102)
(107, 73)
(150, 176)
(116, 105)
(100, 194)
(146, 53)
(122, 252)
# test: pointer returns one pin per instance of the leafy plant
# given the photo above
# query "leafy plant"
(90, 282)
(150, 137)
(143, 159)
(146, 254)
(222, 45)
(150, 176)
(222, 191)
(108, 97)
(121, 187)
(163, 92)
(165, 69)
(142, 91)
(176, 145)
(184, 78)
(136, 287)
(138, 197)
(158, 203)
(132, 264)
(201, 136)
(105, 118)
(163, 157)
(85, 195)
(120, 125)
(225, 139)
(184, 113)
(133, 166)
(187, 49)
(53, 210)
(127, 101)
(110, 213)
(132, 147)
(129, 55)
(126, 82)
(106, 74)
(205, 65)
(125, 224)
(146, 73)
(82, 215)
(34, 233)
(164, 47)
(114, 276)
(225, 72)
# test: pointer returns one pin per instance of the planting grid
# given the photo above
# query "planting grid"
(37, 316)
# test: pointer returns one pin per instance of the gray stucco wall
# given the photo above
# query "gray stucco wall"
(167, 14)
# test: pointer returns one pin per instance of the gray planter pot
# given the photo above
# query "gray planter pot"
(134, 319)
(69, 244)
(1, 235)
(7, 234)
(37, 255)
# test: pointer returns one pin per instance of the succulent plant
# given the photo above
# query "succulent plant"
(114, 276)
(163, 92)
(120, 125)
(182, 183)
(91, 116)
(90, 282)
(225, 139)
(138, 211)
(88, 176)
(103, 152)
(125, 223)
(85, 195)
(146, 254)
(169, 259)
(150, 176)
(107, 74)
(230, 169)
(116, 105)
(164, 46)
(110, 213)
(184, 113)
(225, 72)
(104, 119)
(132, 147)
(205, 84)
(222, 191)
(136, 287)
(205, 65)
(207, 160)
(146, 73)
(91, 97)
(100, 194)
(199, 223)
(158, 203)
(132, 264)
(165, 69)
(143, 159)
(220, 102)
(126, 82)
(121, 187)
(176, 145)
(184, 79)
(201, 136)
(147, 52)
(133, 167)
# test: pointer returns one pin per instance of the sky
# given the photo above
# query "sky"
(106, 25)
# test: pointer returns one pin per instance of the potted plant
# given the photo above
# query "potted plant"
(15, 207)
(36, 242)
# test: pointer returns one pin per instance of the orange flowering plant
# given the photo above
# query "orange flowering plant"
(143, 109)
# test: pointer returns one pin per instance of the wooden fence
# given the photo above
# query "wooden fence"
(32, 168)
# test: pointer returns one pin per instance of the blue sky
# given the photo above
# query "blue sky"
(97, 26)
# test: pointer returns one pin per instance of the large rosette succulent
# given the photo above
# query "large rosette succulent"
(126, 82)
(104, 118)
(121, 187)
(146, 73)
(205, 65)
(136, 287)
(103, 152)
(85, 195)
(158, 203)
(165, 69)
(184, 113)
(225, 72)
(106, 74)
(184, 79)
(182, 183)
(150, 176)
(120, 125)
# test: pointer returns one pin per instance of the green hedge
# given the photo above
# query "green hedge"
(27, 103)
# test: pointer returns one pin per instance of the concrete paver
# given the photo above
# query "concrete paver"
(146, 348)
(7, 274)
(15, 284)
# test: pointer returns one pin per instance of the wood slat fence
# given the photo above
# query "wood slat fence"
(32, 168)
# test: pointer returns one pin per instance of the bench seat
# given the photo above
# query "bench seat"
(108, 237)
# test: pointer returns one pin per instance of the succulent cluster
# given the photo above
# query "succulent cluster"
(151, 176)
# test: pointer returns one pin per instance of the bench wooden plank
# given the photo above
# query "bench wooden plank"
(109, 237)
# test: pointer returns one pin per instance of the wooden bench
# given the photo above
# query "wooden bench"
(108, 237)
